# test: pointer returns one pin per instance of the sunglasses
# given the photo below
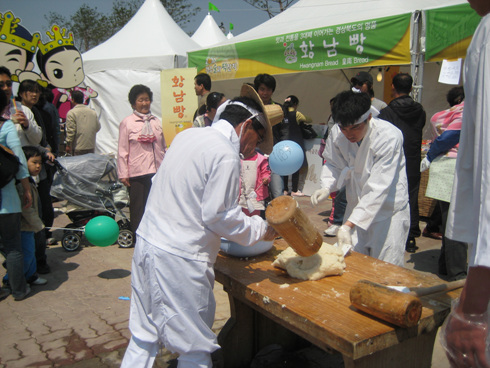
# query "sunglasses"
(7, 83)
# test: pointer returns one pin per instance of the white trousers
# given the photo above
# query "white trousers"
(172, 302)
(385, 240)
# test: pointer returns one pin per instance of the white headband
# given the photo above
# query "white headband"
(255, 114)
(364, 116)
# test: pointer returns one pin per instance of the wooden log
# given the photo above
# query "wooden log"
(390, 305)
(285, 216)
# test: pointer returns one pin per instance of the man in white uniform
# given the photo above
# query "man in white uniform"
(366, 155)
(192, 203)
(466, 330)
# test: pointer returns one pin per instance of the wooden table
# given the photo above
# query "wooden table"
(265, 311)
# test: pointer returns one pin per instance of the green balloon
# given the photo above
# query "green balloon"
(102, 231)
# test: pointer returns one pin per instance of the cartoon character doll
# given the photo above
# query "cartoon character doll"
(17, 48)
(61, 66)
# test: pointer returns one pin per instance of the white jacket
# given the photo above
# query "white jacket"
(373, 172)
(194, 196)
(469, 213)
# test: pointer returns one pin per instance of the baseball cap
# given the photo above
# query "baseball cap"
(362, 77)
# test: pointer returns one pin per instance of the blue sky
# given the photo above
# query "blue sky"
(242, 15)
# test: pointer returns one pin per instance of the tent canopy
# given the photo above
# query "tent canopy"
(150, 42)
(208, 33)
(329, 34)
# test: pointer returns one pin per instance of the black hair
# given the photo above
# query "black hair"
(137, 90)
(77, 97)
(402, 82)
(266, 79)
(31, 151)
(236, 114)
(5, 71)
(43, 58)
(293, 101)
(455, 96)
(23, 33)
(350, 106)
(28, 86)
(48, 95)
(4, 101)
(213, 100)
(204, 79)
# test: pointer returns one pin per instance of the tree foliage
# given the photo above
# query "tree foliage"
(271, 7)
(91, 27)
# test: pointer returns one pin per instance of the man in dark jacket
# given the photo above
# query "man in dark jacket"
(408, 116)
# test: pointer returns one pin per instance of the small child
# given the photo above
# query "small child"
(255, 175)
(30, 222)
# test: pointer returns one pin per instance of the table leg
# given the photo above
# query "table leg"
(247, 332)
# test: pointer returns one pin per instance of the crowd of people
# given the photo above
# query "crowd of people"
(184, 199)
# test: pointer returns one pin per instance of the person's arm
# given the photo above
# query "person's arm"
(71, 129)
(220, 210)
(466, 329)
(26, 195)
(334, 163)
(443, 143)
(32, 131)
(123, 154)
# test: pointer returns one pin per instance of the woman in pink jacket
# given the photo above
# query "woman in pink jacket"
(140, 152)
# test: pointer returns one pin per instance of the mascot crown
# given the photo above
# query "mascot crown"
(8, 25)
(58, 39)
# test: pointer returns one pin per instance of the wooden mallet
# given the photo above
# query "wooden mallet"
(396, 307)
(289, 221)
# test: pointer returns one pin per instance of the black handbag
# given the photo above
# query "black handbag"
(307, 131)
(9, 165)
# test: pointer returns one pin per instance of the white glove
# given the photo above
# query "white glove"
(319, 195)
(424, 164)
(343, 236)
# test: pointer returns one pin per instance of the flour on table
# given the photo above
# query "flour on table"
(328, 261)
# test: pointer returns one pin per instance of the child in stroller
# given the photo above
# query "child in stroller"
(90, 186)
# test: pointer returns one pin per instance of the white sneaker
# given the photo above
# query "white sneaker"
(332, 230)
(39, 281)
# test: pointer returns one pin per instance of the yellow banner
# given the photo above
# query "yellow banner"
(179, 101)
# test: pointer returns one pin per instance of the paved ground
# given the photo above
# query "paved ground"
(79, 319)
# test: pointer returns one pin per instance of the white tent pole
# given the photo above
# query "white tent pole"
(417, 53)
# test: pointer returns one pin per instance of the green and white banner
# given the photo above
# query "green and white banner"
(381, 41)
(449, 31)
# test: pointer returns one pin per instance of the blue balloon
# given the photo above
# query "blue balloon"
(286, 158)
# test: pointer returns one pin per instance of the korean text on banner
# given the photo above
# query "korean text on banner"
(179, 101)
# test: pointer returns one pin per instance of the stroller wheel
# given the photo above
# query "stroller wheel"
(125, 239)
(71, 241)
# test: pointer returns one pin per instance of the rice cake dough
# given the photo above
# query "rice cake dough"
(328, 261)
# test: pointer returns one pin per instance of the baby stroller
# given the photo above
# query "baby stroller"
(90, 186)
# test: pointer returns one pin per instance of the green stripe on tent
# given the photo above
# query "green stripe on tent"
(448, 26)
(332, 47)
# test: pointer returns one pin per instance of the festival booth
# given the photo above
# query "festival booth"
(208, 33)
(316, 46)
(150, 42)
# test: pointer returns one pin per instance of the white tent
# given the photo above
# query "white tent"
(281, 47)
(149, 42)
(312, 47)
(208, 33)
(311, 14)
